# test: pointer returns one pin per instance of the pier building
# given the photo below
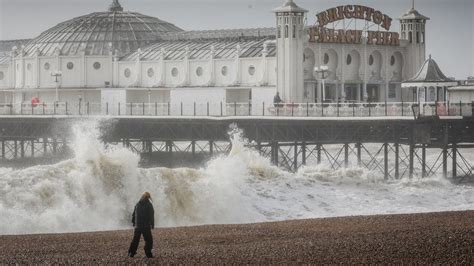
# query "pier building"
(344, 54)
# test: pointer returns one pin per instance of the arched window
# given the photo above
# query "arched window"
(286, 31)
(349, 59)
(417, 37)
(279, 31)
(294, 31)
(371, 60)
(326, 58)
(410, 37)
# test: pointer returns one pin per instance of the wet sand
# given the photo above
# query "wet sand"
(442, 238)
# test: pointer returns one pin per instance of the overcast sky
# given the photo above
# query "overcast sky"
(450, 32)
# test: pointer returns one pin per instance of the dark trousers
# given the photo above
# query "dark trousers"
(136, 240)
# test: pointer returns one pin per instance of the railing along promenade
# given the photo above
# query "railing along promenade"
(391, 109)
(395, 139)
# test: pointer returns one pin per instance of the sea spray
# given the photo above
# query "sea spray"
(74, 195)
(97, 189)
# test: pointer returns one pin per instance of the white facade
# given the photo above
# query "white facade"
(464, 94)
(284, 62)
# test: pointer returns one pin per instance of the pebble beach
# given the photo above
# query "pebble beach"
(440, 238)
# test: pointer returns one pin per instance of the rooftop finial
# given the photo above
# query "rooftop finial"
(413, 4)
(115, 6)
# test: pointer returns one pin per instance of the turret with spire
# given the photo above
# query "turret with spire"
(115, 6)
(413, 25)
(290, 19)
(412, 29)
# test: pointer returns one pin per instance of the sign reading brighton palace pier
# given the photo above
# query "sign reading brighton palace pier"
(321, 34)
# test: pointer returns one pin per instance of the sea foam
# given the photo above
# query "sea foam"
(97, 189)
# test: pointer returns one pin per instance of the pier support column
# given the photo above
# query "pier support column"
(303, 152)
(277, 148)
(455, 162)
(22, 148)
(274, 149)
(150, 146)
(55, 146)
(423, 160)
(412, 161)
(211, 147)
(64, 147)
(169, 150)
(45, 146)
(346, 155)
(193, 148)
(3, 149)
(318, 150)
(144, 146)
(445, 161)
(411, 155)
(295, 157)
(33, 149)
(272, 152)
(385, 160)
(169, 147)
(397, 160)
(15, 154)
(359, 154)
(445, 151)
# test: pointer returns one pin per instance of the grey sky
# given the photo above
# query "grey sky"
(450, 32)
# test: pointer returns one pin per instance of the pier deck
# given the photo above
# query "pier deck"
(290, 142)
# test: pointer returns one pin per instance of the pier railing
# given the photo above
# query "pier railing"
(392, 109)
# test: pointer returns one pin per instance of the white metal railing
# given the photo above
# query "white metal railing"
(393, 109)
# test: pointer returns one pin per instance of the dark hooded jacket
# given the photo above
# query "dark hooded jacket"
(144, 215)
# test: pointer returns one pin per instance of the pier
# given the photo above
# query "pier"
(393, 145)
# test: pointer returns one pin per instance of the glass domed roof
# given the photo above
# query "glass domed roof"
(100, 33)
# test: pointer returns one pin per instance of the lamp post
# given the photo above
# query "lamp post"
(57, 76)
(79, 97)
(149, 100)
(322, 71)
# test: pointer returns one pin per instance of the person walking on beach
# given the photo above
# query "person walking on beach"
(143, 219)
